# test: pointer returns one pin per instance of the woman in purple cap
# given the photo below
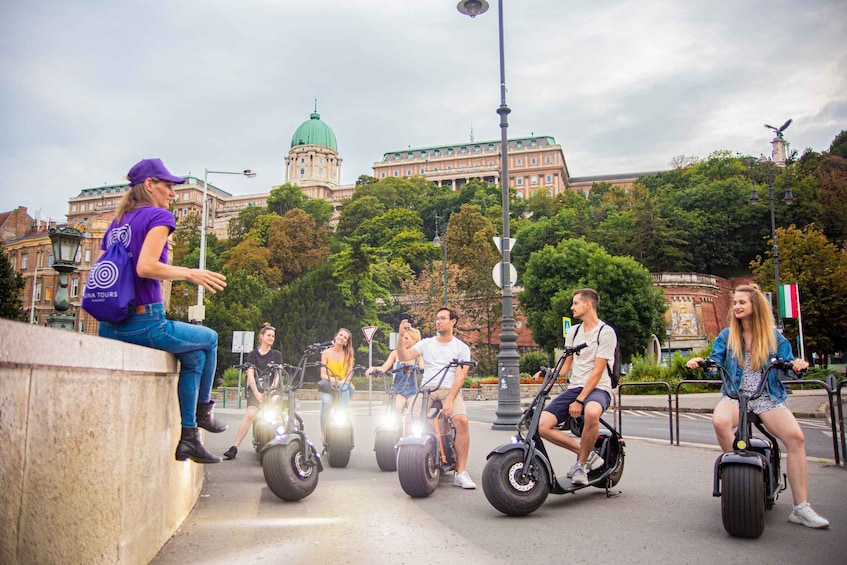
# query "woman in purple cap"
(143, 224)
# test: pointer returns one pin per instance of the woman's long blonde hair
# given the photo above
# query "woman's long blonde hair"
(136, 197)
(349, 353)
(763, 342)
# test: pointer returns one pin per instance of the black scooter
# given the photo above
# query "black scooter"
(748, 479)
(393, 426)
(518, 475)
(428, 451)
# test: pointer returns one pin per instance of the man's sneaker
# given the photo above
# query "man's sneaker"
(463, 480)
(804, 514)
(579, 476)
(594, 462)
(573, 468)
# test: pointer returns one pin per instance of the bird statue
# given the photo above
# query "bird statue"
(778, 131)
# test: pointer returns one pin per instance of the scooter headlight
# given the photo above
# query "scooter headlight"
(417, 430)
(268, 416)
(388, 421)
(339, 417)
(741, 444)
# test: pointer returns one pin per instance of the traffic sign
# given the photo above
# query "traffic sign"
(496, 273)
(242, 342)
(369, 332)
(566, 325)
(498, 241)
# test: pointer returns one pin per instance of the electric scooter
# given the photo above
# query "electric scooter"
(290, 462)
(393, 426)
(748, 479)
(338, 434)
(518, 476)
(428, 451)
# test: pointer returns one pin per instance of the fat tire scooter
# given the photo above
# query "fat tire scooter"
(518, 476)
(748, 479)
(393, 426)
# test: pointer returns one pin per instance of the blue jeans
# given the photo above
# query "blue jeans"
(196, 347)
(326, 403)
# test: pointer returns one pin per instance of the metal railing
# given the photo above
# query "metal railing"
(654, 383)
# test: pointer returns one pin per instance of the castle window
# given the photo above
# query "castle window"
(533, 161)
(518, 162)
(549, 178)
(534, 179)
(519, 181)
(548, 159)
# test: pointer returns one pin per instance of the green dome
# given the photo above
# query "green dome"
(314, 132)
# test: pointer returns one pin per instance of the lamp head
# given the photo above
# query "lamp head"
(249, 173)
(472, 8)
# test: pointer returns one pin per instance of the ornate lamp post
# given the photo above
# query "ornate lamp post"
(197, 314)
(437, 241)
(779, 143)
(65, 243)
(508, 397)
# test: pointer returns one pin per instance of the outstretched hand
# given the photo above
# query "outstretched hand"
(209, 280)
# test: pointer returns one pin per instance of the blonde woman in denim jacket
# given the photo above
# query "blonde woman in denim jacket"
(744, 349)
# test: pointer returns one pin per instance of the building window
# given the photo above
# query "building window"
(408, 172)
(533, 143)
(321, 172)
(423, 153)
(491, 147)
(437, 152)
(74, 288)
(382, 175)
(302, 172)
(464, 150)
(396, 156)
(49, 259)
(462, 166)
(302, 159)
(450, 151)
(48, 293)
(519, 144)
(519, 181)
(38, 291)
(449, 167)
(87, 255)
(24, 261)
(548, 159)
(518, 162)
(321, 161)
(73, 207)
(534, 179)
(396, 173)
(549, 178)
(533, 161)
(423, 171)
(491, 163)
(550, 193)
(476, 149)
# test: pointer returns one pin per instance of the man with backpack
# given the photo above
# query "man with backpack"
(590, 385)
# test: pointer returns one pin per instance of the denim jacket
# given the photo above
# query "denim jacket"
(725, 356)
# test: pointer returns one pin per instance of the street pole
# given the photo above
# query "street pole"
(779, 323)
(197, 313)
(508, 391)
(437, 240)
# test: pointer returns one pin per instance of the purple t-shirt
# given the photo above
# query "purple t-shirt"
(131, 232)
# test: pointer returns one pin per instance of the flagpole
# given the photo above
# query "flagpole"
(800, 323)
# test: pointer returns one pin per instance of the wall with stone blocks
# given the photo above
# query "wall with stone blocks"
(88, 429)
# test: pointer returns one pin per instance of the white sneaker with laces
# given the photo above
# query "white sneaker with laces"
(463, 480)
(594, 462)
(579, 477)
(803, 514)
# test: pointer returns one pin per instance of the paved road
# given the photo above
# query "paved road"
(664, 514)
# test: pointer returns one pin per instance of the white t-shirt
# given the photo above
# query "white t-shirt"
(437, 355)
(583, 364)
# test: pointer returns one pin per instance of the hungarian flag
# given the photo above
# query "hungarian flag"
(789, 300)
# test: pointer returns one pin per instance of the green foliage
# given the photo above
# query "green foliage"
(11, 287)
(285, 198)
(357, 211)
(531, 362)
(628, 300)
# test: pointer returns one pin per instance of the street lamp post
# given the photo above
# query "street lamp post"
(437, 241)
(65, 242)
(788, 198)
(508, 398)
(197, 313)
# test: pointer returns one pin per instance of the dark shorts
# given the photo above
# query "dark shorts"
(252, 401)
(560, 405)
(404, 385)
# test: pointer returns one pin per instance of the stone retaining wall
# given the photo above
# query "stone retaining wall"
(88, 428)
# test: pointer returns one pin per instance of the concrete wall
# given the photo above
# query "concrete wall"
(88, 429)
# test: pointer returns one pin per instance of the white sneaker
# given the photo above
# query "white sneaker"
(579, 477)
(808, 517)
(463, 480)
(594, 462)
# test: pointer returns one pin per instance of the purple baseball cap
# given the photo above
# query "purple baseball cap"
(151, 169)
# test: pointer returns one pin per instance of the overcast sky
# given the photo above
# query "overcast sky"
(90, 87)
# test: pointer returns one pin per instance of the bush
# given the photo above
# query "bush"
(531, 362)
(230, 378)
(645, 369)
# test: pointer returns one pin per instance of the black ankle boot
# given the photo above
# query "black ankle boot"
(206, 420)
(231, 453)
(190, 447)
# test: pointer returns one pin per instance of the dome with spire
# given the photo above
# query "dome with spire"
(314, 132)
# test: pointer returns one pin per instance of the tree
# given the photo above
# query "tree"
(838, 147)
(240, 225)
(832, 180)
(819, 269)
(628, 299)
(284, 198)
(320, 210)
(248, 256)
(357, 211)
(296, 244)
(11, 286)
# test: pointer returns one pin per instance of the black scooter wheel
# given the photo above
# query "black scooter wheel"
(743, 500)
(386, 455)
(264, 433)
(289, 474)
(507, 490)
(339, 444)
(417, 469)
